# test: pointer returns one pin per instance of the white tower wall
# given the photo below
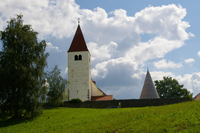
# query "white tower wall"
(79, 76)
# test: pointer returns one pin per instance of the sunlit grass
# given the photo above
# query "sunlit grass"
(183, 117)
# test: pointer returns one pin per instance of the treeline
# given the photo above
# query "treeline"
(24, 84)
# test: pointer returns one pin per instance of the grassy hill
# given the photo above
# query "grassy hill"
(183, 117)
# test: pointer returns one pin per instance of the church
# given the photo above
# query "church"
(80, 84)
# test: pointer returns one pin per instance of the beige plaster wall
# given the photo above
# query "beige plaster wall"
(96, 91)
(79, 77)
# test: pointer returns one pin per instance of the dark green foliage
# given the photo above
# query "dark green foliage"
(75, 100)
(170, 88)
(56, 87)
(22, 62)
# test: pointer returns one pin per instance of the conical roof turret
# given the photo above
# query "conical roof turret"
(148, 91)
(78, 42)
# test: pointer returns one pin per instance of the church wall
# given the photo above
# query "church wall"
(79, 76)
(197, 97)
(96, 91)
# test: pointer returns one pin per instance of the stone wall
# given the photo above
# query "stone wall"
(126, 103)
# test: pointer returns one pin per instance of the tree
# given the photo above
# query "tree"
(56, 87)
(22, 63)
(170, 88)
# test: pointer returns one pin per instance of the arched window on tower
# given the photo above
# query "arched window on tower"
(76, 57)
(80, 57)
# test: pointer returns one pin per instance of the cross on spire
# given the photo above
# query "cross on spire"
(78, 21)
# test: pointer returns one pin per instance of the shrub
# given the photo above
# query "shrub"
(75, 100)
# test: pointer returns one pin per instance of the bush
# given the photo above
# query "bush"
(75, 100)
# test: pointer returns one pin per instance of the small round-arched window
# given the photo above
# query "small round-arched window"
(80, 57)
(76, 57)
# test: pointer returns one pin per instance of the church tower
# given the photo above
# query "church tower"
(79, 69)
(148, 91)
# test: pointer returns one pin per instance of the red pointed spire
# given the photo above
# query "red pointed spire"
(78, 42)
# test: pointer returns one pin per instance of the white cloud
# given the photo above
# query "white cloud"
(117, 53)
(55, 18)
(198, 53)
(156, 48)
(191, 82)
(103, 52)
(59, 18)
(101, 69)
(107, 29)
(158, 75)
(138, 75)
(167, 64)
(163, 20)
(51, 47)
(190, 60)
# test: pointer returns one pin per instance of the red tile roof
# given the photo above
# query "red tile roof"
(102, 98)
(78, 42)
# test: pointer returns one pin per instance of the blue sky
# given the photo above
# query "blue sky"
(124, 38)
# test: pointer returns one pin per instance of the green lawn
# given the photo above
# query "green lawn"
(183, 117)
